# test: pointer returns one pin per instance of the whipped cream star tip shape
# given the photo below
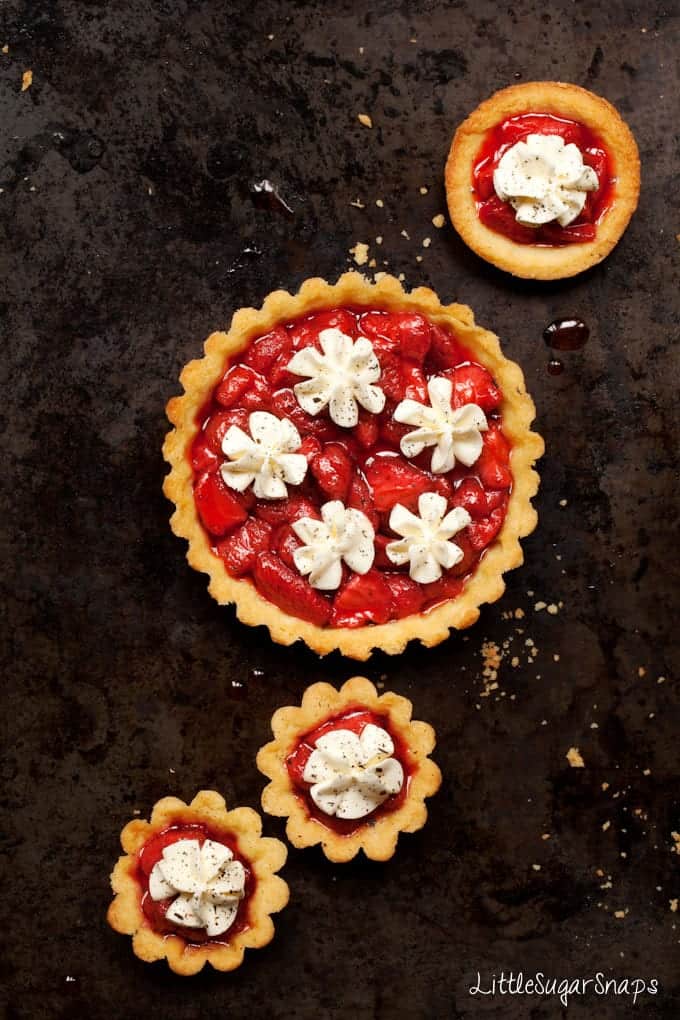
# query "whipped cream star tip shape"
(425, 543)
(544, 180)
(455, 433)
(352, 775)
(265, 459)
(205, 882)
(342, 535)
(341, 376)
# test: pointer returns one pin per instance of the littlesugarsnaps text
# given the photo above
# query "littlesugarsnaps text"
(512, 983)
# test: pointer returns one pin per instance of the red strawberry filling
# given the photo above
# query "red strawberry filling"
(363, 467)
(500, 216)
(354, 719)
(155, 910)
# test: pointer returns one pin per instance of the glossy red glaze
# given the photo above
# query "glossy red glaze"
(500, 216)
(355, 719)
(362, 466)
(155, 910)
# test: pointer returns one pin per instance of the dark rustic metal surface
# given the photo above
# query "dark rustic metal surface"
(129, 232)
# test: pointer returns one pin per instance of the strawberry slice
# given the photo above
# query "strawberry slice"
(241, 385)
(382, 560)
(401, 378)
(443, 590)
(332, 469)
(284, 542)
(285, 405)
(446, 350)
(261, 355)
(365, 598)
(407, 596)
(394, 480)
(472, 384)
(284, 511)
(202, 457)
(289, 591)
(310, 447)
(472, 497)
(218, 507)
(305, 333)
(217, 427)
(359, 497)
(240, 549)
(367, 431)
(482, 533)
(470, 555)
(404, 333)
(493, 466)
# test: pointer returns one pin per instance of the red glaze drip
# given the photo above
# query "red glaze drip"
(354, 719)
(155, 910)
(500, 216)
(362, 466)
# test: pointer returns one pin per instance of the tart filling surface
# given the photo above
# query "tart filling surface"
(197, 884)
(349, 769)
(351, 467)
(542, 179)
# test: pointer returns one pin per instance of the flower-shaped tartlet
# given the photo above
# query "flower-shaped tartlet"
(349, 769)
(542, 179)
(313, 419)
(197, 884)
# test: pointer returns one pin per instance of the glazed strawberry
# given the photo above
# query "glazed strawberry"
(285, 405)
(402, 378)
(367, 431)
(219, 423)
(472, 384)
(289, 591)
(305, 333)
(284, 542)
(218, 507)
(382, 560)
(333, 470)
(202, 457)
(447, 587)
(394, 480)
(284, 511)
(310, 448)
(473, 498)
(404, 333)
(446, 351)
(470, 555)
(407, 596)
(493, 465)
(482, 533)
(240, 549)
(365, 598)
(242, 386)
(359, 497)
(262, 354)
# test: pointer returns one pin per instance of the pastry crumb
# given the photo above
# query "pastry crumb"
(423, 190)
(401, 277)
(358, 204)
(620, 914)
(605, 826)
(673, 904)
(438, 221)
(26, 80)
(378, 276)
(360, 253)
(379, 239)
(546, 835)
(404, 233)
(371, 265)
(379, 202)
(675, 836)
(364, 119)
(419, 258)
(427, 241)
(519, 614)
(642, 671)
(538, 606)
(575, 758)
(553, 609)
(563, 502)
(5, 49)
(536, 867)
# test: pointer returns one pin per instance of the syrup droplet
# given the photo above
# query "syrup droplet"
(266, 195)
(555, 367)
(566, 334)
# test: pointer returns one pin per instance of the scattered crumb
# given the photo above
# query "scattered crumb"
(372, 264)
(379, 240)
(270, 37)
(379, 202)
(677, 236)
(539, 606)
(358, 204)
(26, 80)
(514, 661)
(661, 679)
(620, 914)
(364, 119)
(536, 867)
(594, 726)
(556, 657)
(675, 836)
(427, 241)
(423, 191)
(5, 48)
(673, 904)
(379, 276)
(546, 835)
(642, 671)
(404, 233)
(136, 811)
(360, 253)
(419, 258)
(605, 826)
(361, 50)
(401, 277)
(563, 502)
(575, 759)
(519, 614)
(438, 221)
(553, 609)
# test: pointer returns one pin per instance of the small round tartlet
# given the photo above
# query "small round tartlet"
(494, 227)
(225, 879)
(349, 769)
(353, 466)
